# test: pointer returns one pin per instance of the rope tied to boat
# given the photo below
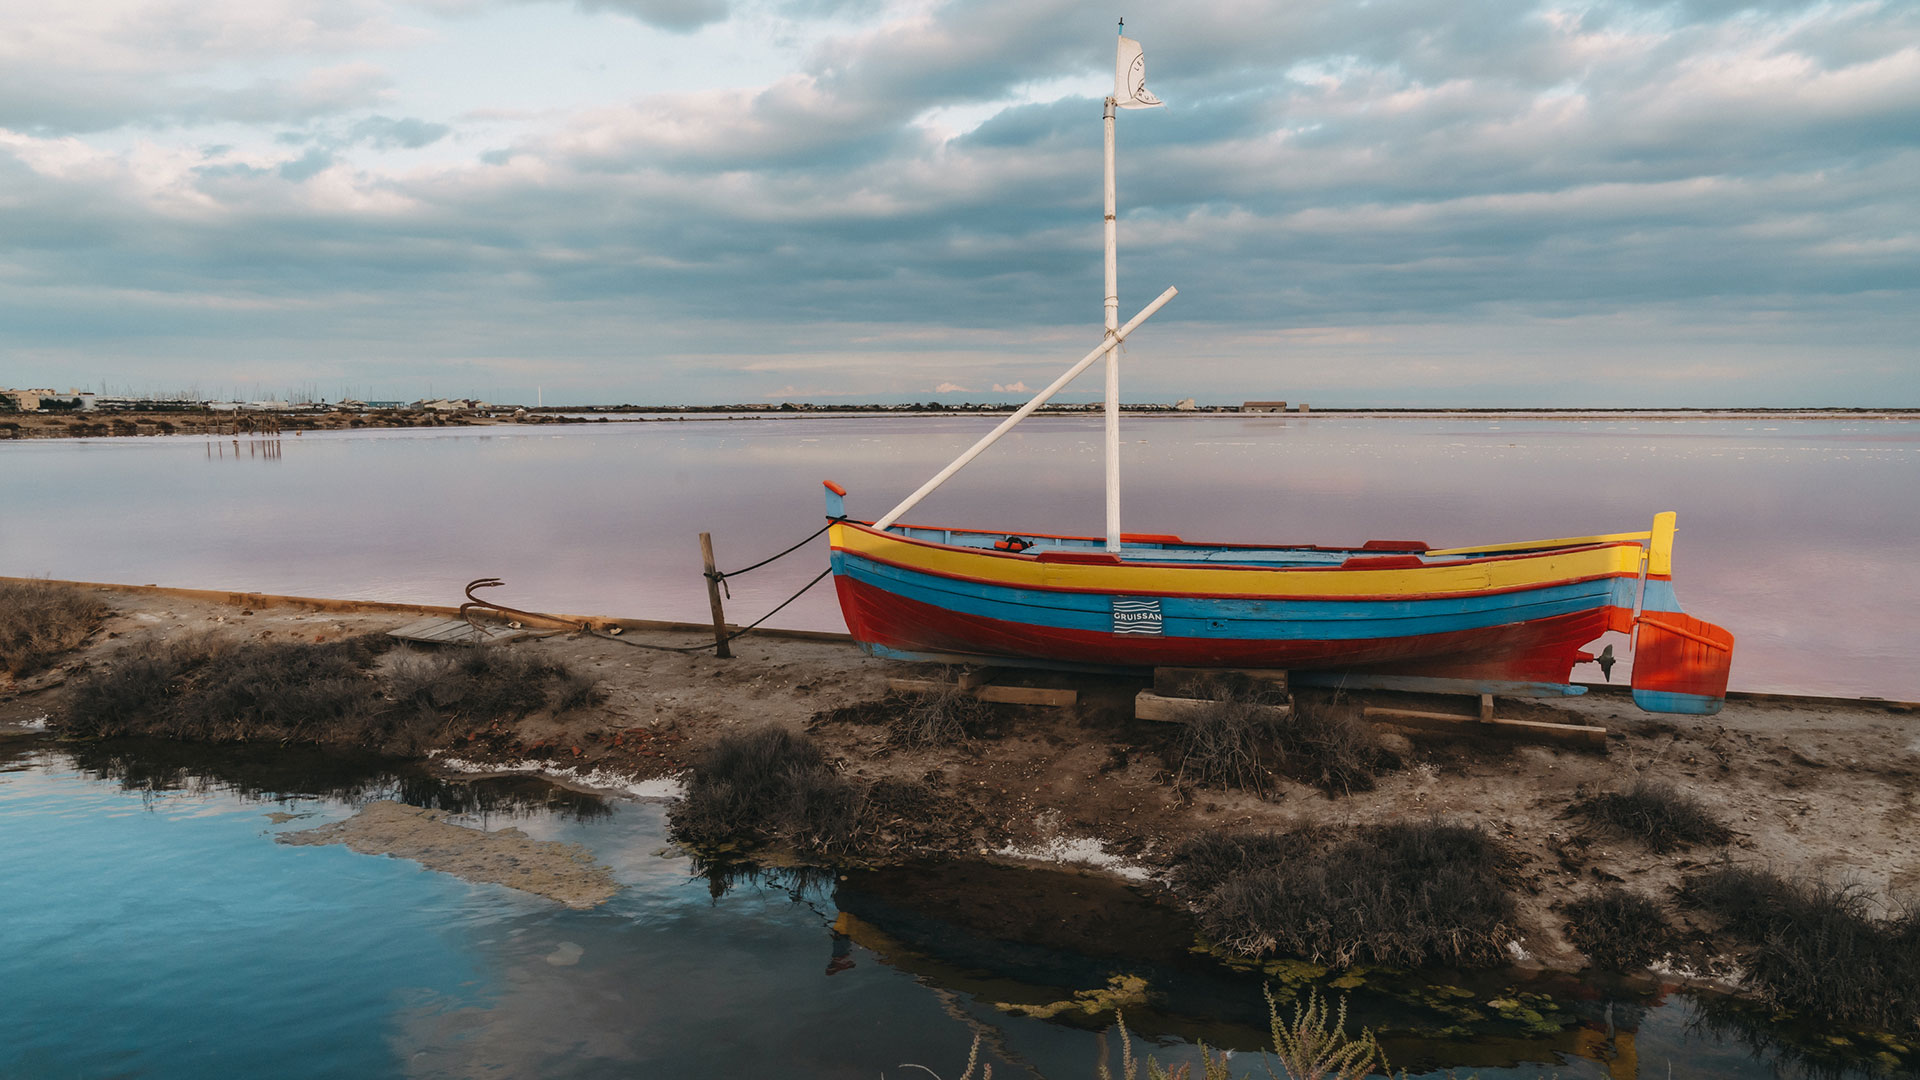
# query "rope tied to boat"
(720, 577)
(474, 602)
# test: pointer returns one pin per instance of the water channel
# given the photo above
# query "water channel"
(154, 928)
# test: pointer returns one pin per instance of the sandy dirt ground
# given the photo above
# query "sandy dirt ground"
(1831, 790)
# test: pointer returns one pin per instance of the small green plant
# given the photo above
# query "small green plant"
(973, 1062)
(1315, 1045)
(1312, 1045)
(1212, 1067)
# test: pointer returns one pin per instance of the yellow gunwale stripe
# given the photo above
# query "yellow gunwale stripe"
(1502, 574)
(1529, 545)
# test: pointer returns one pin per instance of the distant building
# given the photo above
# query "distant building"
(1263, 406)
(1185, 404)
(49, 400)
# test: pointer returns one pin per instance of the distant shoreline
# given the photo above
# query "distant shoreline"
(126, 423)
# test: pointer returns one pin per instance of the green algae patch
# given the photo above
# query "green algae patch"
(1120, 993)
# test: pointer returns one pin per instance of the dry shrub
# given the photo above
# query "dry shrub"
(768, 787)
(1815, 947)
(1655, 813)
(1404, 895)
(1230, 744)
(485, 683)
(1236, 741)
(135, 694)
(952, 717)
(1211, 859)
(200, 689)
(1619, 929)
(1331, 746)
(324, 694)
(39, 620)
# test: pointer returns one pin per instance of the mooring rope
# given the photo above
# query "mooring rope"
(721, 576)
(729, 637)
(489, 583)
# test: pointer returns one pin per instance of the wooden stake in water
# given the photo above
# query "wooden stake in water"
(713, 599)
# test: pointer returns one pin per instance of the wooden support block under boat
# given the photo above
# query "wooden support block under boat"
(1005, 695)
(1218, 682)
(1148, 705)
(1419, 722)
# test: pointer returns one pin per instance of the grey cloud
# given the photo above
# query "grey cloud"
(307, 165)
(1318, 165)
(67, 103)
(410, 133)
(680, 15)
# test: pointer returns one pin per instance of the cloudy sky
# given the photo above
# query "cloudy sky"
(1363, 202)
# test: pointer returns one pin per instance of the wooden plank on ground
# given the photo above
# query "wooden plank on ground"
(1438, 723)
(1148, 705)
(1005, 695)
(435, 630)
(1214, 682)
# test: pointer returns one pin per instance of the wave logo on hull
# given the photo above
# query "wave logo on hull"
(1136, 617)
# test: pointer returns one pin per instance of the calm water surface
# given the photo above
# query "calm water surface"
(153, 928)
(1795, 534)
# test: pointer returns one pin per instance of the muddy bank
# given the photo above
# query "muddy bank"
(95, 425)
(563, 872)
(1825, 790)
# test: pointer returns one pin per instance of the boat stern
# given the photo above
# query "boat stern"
(1680, 663)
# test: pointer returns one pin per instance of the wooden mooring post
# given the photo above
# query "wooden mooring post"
(713, 598)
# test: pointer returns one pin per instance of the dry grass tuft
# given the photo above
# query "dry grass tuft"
(39, 620)
(1237, 742)
(1816, 947)
(1404, 895)
(768, 787)
(204, 690)
(1619, 929)
(953, 717)
(1655, 813)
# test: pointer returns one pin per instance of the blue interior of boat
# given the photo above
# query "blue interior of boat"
(1143, 551)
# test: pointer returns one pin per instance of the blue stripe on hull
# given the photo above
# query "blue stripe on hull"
(1667, 701)
(1236, 619)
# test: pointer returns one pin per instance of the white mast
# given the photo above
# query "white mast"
(1129, 92)
(1113, 357)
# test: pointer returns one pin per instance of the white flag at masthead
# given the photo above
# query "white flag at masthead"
(1130, 78)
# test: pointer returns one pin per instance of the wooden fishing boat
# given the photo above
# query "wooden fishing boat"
(1504, 618)
(1510, 618)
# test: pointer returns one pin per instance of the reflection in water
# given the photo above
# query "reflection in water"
(256, 449)
(1796, 1049)
(156, 767)
(1788, 535)
(809, 885)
